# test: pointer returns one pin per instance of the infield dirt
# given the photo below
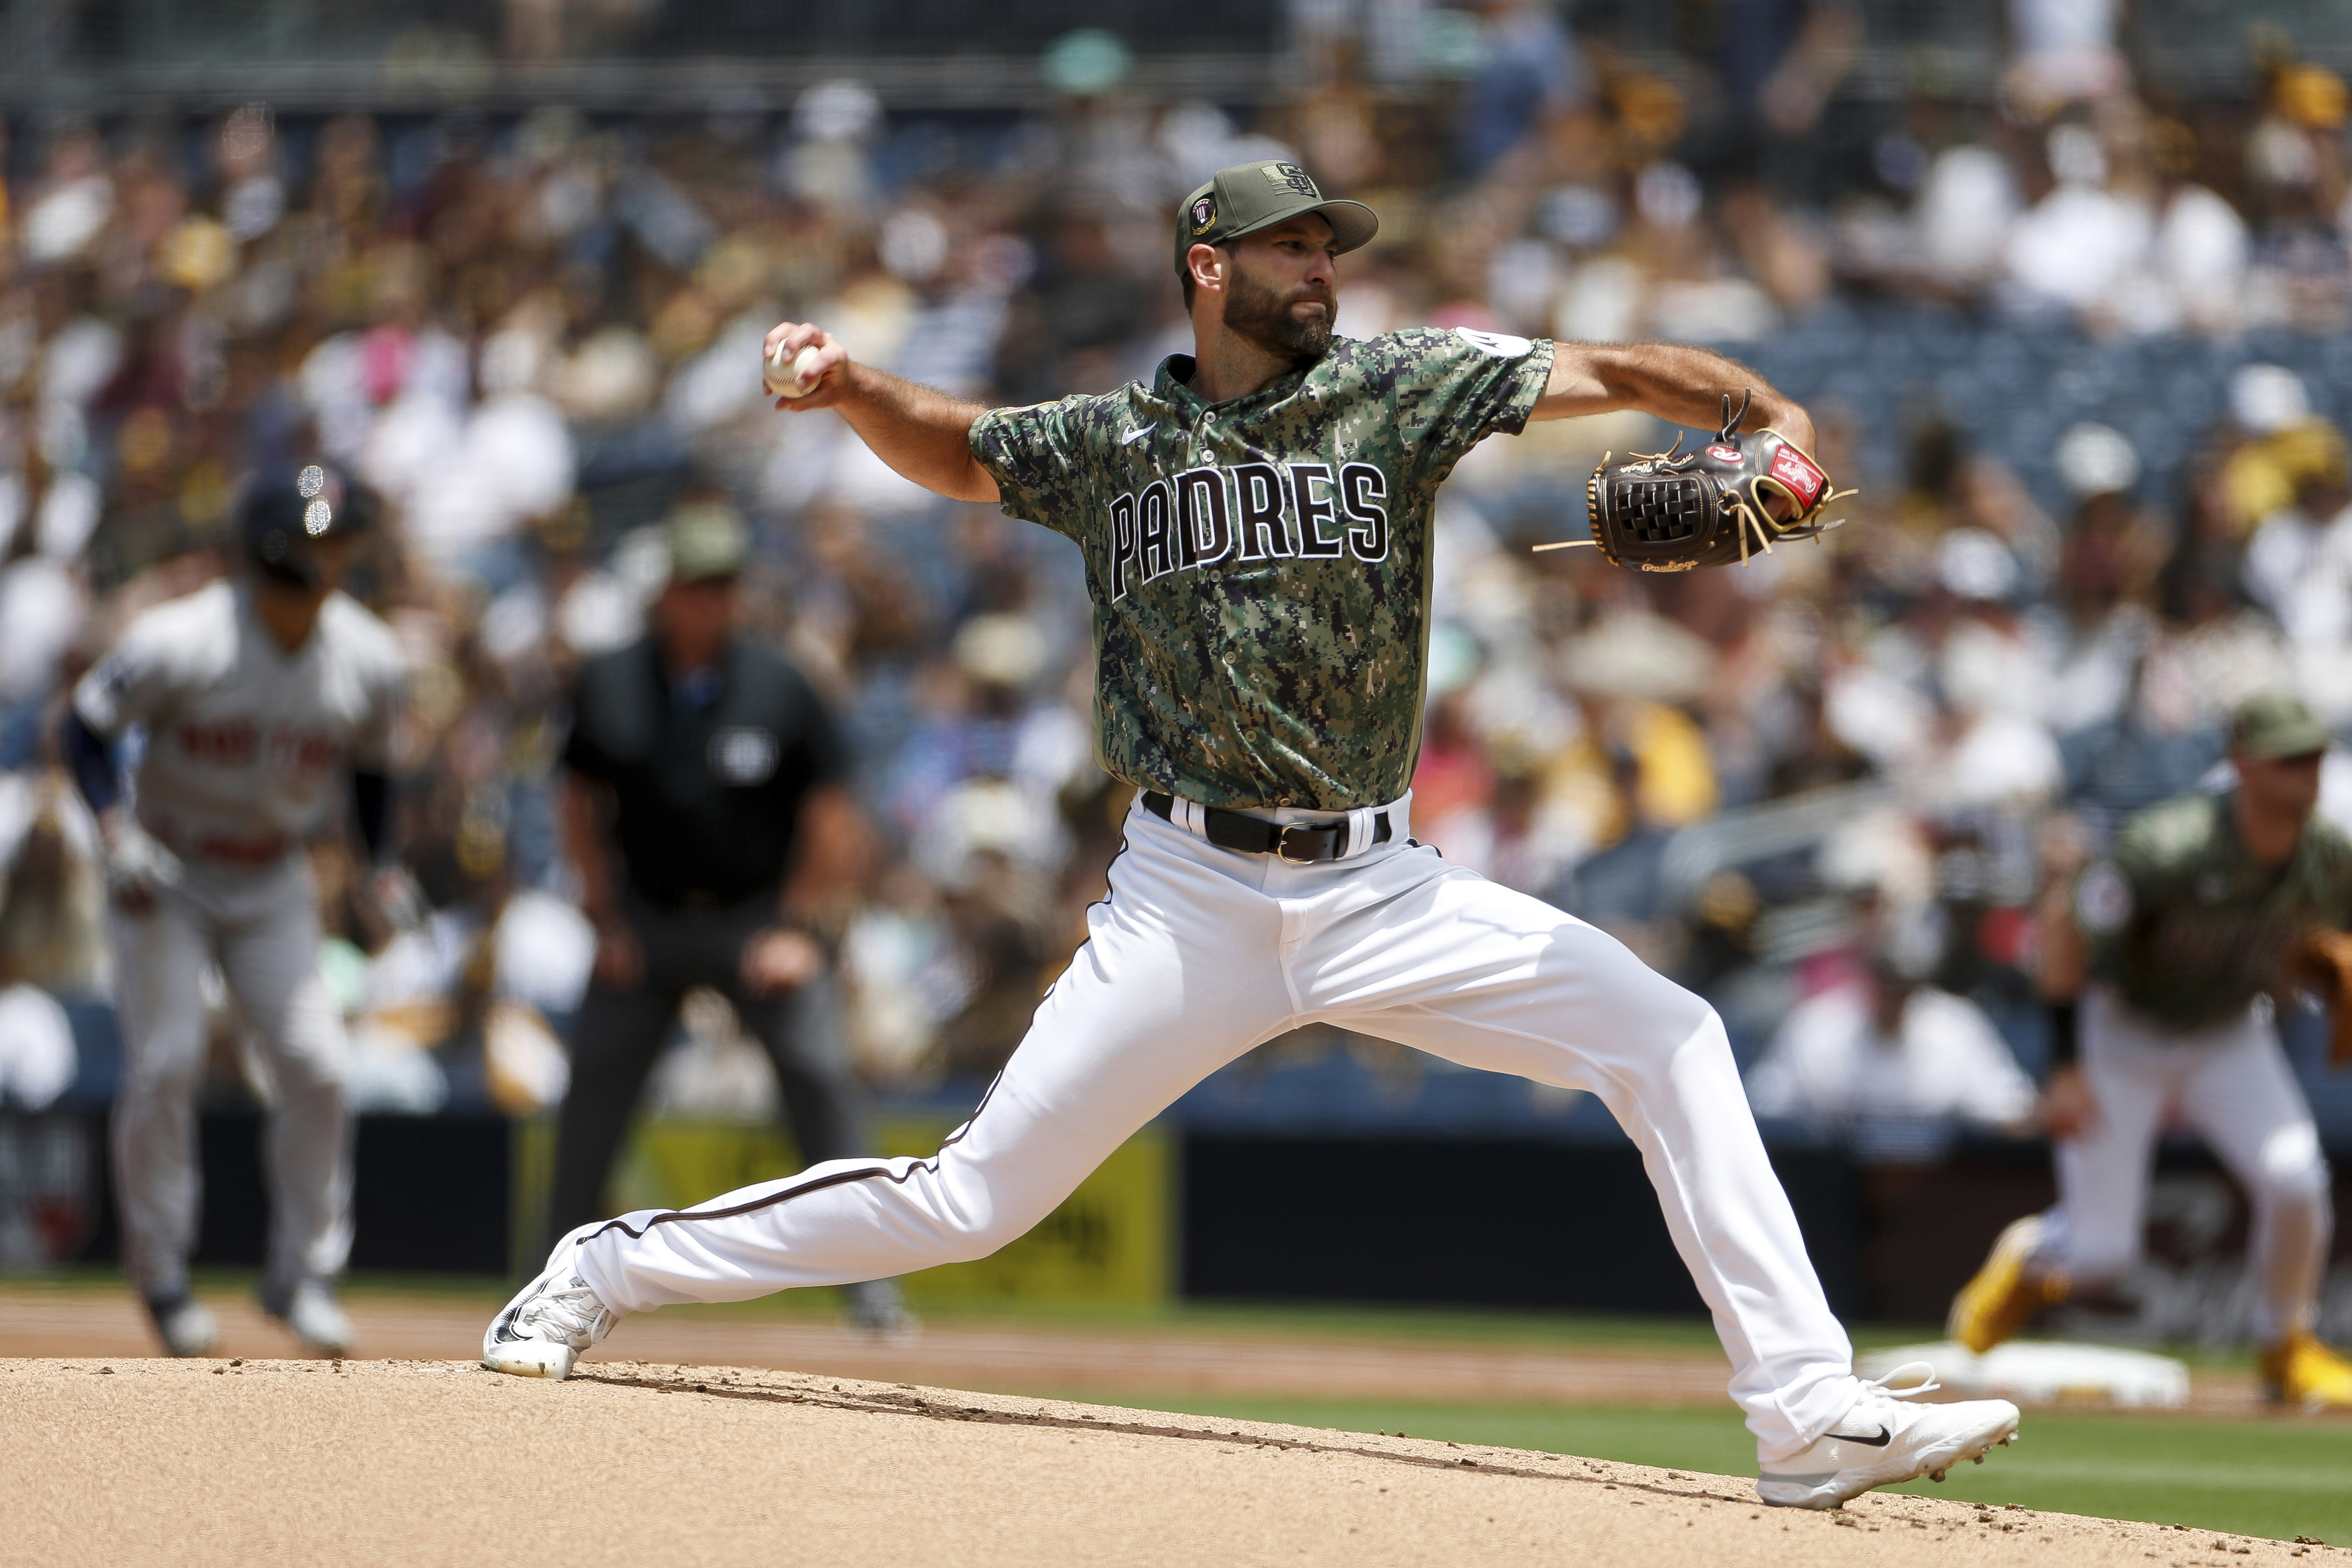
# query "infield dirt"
(135, 1461)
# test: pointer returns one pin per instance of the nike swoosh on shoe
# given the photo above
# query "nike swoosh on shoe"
(1884, 1437)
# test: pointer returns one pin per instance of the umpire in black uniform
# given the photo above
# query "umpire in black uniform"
(707, 810)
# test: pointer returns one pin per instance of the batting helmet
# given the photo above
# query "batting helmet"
(286, 511)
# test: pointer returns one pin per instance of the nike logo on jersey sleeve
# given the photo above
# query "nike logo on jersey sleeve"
(1138, 433)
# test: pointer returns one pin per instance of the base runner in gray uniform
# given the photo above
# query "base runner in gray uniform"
(1256, 524)
(265, 701)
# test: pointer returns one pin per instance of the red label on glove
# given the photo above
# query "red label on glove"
(1724, 454)
(1797, 471)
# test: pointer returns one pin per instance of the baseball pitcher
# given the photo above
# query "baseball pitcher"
(1256, 522)
(264, 700)
(2163, 961)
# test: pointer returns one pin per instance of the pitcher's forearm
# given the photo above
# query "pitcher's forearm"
(1676, 382)
(923, 434)
(1686, 384)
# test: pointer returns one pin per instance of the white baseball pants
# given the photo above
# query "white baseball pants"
(1200, 953)
(263, 930)
(2233, 1084)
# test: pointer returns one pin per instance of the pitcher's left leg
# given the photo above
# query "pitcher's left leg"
(1475, 972)
(1490, 978)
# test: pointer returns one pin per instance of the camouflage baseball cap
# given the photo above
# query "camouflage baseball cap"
(706, 541)
(1250, 196)
(2270, 725)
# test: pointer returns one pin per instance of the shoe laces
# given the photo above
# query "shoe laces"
(1883, 1387)
(571, 1309)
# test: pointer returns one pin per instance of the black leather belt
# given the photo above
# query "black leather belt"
(1301, 844)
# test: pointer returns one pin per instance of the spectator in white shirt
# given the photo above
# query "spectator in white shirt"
(1891, 1047)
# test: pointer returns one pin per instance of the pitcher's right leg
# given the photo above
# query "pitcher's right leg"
(1179, 975)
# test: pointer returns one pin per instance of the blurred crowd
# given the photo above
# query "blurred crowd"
(1825, 789)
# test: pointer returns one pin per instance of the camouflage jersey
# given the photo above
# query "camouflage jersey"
(1260, 567)
(2189, 926)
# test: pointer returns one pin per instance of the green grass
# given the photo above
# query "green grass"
(2279, 1478)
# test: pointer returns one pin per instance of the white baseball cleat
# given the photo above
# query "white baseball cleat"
(310, 1310)
(1882, 1441)
(185, 1324)
(544, 1329)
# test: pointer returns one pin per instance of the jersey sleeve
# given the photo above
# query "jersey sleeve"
(1037, 456)
(134, 684)
(1452, 389)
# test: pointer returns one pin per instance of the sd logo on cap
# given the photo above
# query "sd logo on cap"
(1251, 197)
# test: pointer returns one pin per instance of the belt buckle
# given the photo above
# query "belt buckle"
(1281, 846)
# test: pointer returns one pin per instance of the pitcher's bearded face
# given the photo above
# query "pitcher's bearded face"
(1291, 323)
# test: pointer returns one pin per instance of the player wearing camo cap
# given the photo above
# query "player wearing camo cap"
(1256, 524)
(2167, 956)
(267, 701)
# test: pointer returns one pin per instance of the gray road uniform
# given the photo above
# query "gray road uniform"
(248, 756)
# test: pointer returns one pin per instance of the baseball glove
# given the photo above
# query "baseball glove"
(2324, 964)
(1673, 510)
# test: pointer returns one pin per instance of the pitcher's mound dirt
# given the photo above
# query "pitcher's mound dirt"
(650, 1467)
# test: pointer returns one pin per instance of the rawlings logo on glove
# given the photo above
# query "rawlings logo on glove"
(1673, 510)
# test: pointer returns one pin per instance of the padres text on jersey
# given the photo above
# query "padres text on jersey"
(1260, 567)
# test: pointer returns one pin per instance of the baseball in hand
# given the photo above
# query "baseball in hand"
(795, 377)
